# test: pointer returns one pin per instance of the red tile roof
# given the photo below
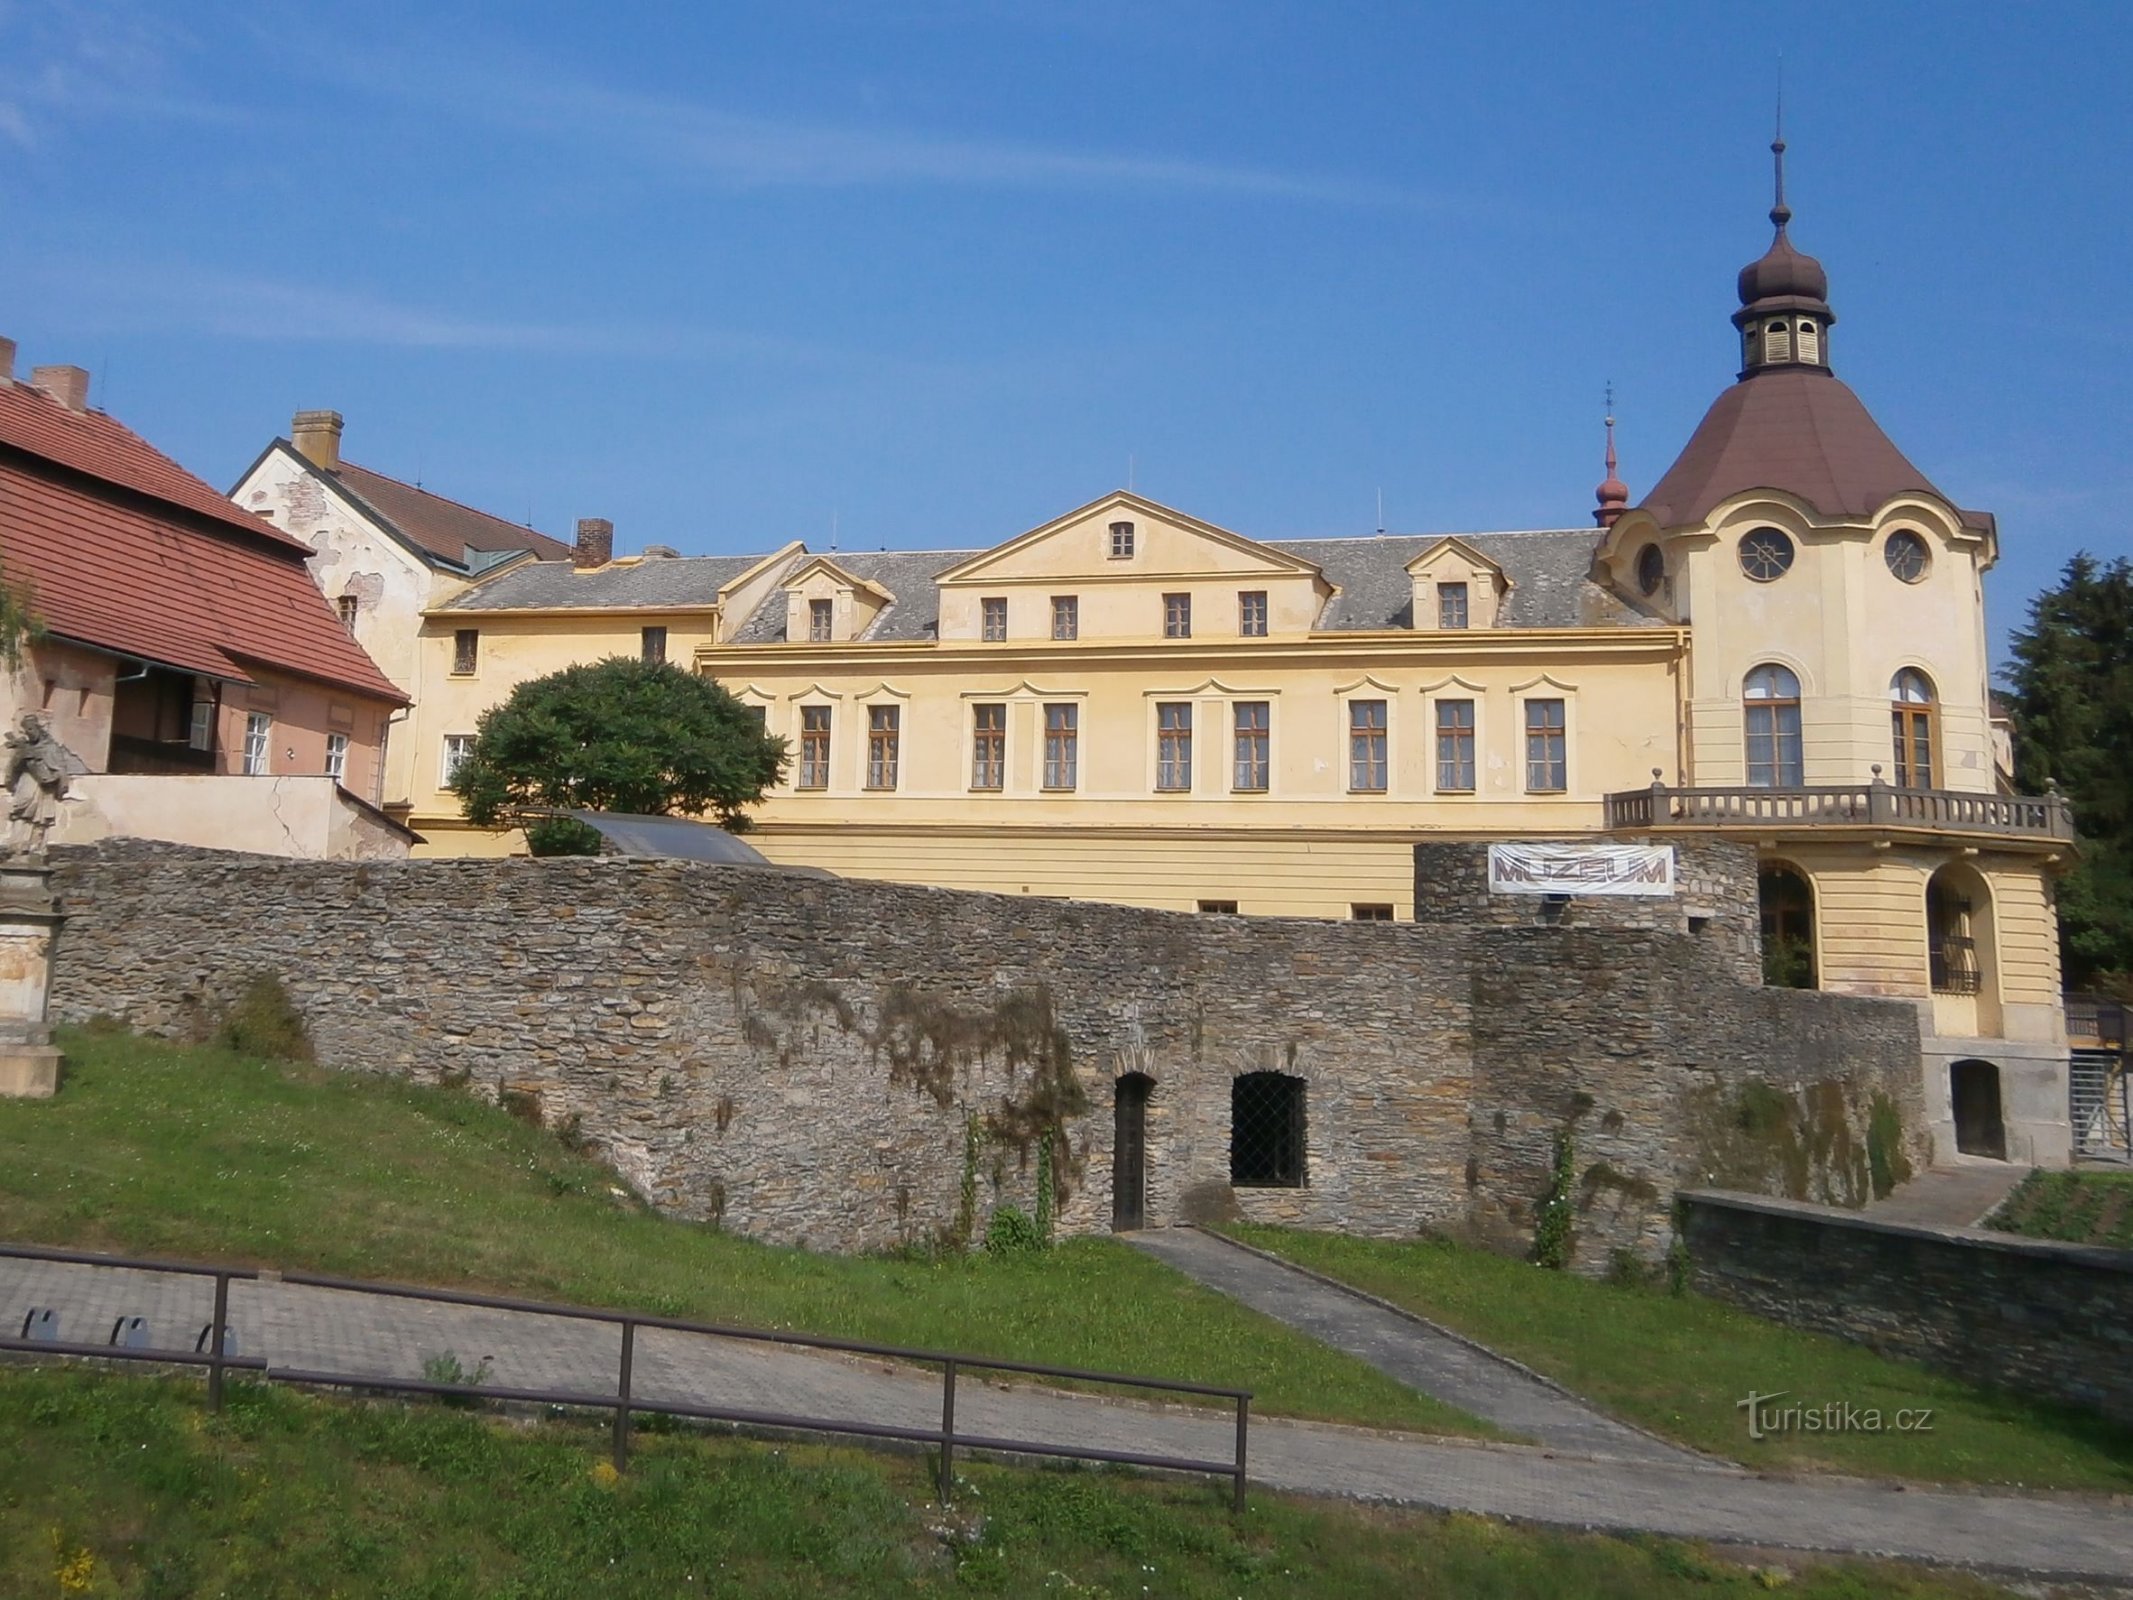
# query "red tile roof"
(123, 549)
(443, 527)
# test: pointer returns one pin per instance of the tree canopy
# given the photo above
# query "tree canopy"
(615, 735)
(2072, 692)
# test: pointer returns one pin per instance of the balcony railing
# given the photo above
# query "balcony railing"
(1876, 804)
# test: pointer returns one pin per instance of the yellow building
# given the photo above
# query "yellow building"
(1785, 640)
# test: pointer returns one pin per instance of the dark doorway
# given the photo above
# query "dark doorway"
(1980, 1130)
(1788, 907)
(1129, 1152)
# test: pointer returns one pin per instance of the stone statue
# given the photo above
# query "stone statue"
(36, 783)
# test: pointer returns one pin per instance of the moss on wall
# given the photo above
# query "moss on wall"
(1823, 1141)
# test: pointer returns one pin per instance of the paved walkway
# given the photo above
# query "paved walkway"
(306, 1328)
(1405, 1348)
(1959, 1192)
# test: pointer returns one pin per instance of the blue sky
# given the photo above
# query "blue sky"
(933, 273)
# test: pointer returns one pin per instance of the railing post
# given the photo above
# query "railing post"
(217, 1337)
(947, 1431)
(622, 1395)
(1879, 807)
(1244, 1406)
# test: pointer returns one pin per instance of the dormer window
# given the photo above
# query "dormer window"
(1121, 541)
(1451, 605)
(820, 624)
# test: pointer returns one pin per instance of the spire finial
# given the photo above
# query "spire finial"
(1613, 494)
(1780, 213)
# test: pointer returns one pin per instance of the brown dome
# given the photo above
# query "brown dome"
(1783, 272)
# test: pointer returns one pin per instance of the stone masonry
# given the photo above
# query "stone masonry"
(855, 1065)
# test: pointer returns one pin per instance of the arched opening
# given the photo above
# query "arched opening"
(1266, 1131)
(1960, 952)
(1911, 720)
(1770, 711)
(1974, 1095)
(1777, 342)
(1788, 905)
(1810, 342)
(1129, 1151)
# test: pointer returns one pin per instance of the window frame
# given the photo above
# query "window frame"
(1454, 606)
(1177, 615)
(1173, 747)
(1463, 739)
(652, 644)
(258, 752)
(347, 606)
(1764, 724)
(821, 621)
(336, 756)
(1252, 613)
(988, 744)
(466, 652)
(1558, 733)
(455, 750)
(1251, 746)
(1372, 911)
(1062, 747)
(992, 618)
(1915, 730)
(1066, 616)
(1122, 541)
(884, 747)
(1369, 747)
(811, 772)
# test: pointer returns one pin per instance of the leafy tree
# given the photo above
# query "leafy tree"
(616, 735)
(2072, 689)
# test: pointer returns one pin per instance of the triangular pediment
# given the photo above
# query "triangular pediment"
(1453, 548)
(1166, 544)
(841, 577)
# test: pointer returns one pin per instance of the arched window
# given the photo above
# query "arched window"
(1788, 907)
(1810, 342)
(1770, 705)
(1777, 342)
(1911, 720)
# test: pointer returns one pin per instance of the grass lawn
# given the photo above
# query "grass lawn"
(1678, 1365)
(168, 1150)
(139, 1492)
(2080, 1207)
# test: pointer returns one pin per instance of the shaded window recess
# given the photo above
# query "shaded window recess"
(1266, 1131)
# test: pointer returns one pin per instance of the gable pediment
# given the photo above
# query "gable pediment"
(1165, 545)
(823, 574)
(1452, 550)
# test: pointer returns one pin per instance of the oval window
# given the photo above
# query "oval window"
(1766, 554)
(1651, 569)
(1906, 555)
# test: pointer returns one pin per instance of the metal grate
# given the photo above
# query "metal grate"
(1954, 964)
(1266, 1131)
(2101, 1105)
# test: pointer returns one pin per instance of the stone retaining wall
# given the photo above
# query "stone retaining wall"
(828, 1061)
(2047, 1319)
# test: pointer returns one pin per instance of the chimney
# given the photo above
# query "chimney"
(317, 437)
(596, 543)
(68, 385)
(7, 361)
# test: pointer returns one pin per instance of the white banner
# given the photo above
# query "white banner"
(1646, 869)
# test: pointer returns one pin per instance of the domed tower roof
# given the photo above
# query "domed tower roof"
(1784, 316)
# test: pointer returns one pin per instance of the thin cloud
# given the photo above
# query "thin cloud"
(69, 61)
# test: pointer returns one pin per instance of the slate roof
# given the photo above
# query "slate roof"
(661, 582)
(123, 549)
(1791, 428)
(443, 527)
(1547, 569)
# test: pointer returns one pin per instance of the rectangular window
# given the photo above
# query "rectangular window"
(883, 725)
(1219, 908)
(1173, 746)
(1455, 747)
(1066, 617)
(1062, 754)
(814, 748)
(336, 756)
(1251, 613)
(466, 650)
(1547, 759)
(457, 747)
(1774, 749)
(1121, 541)
(200, 735)
(346, 606)
(1451, 605)
(652, 642)
(993, 617)
(258, 729)
(1177, 616)
(1366, 746)
(1371, 913)
(988, 747)
(819, 623)
(1252, 720)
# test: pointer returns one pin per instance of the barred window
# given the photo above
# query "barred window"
(1061, 746)
(883, 727)
(1366, 746)
(1266, 1131)
(1371, 913)
(466, 650)
(988, 746)
(1455, 747)
(993, 612)
(1547, 752)
(1251, 613)
(1173, 746)
(1252, 717)
(814, 748)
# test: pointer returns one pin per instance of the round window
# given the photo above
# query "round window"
(1906, 555)
(1651, 569)
(1766, 554)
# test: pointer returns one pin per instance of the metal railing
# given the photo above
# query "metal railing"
(1875, 804)
(623, 1403)
(2096, 1022)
